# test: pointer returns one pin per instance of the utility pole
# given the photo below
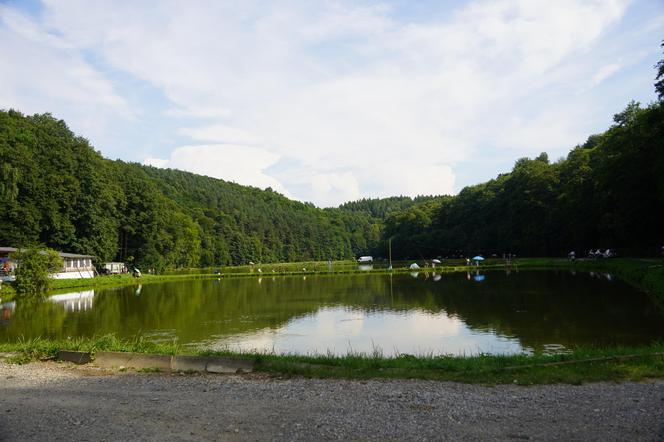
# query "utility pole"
(389, 248)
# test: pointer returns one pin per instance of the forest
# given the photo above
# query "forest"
(57, 191)
(607, 193)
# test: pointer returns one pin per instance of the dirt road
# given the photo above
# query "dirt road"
(55, 401)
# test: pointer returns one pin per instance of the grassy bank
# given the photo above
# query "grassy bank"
(578, 366)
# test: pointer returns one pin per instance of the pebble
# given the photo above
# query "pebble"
(53, 397)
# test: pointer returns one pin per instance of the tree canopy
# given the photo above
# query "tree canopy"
(59, 192)
(607, 193)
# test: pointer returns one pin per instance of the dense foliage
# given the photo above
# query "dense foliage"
(381, 207)
(33, 273)
(607, 193)
(57, 191)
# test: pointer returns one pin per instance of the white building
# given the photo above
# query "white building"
(75, 266)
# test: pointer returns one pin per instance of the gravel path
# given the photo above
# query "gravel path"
(56, 401)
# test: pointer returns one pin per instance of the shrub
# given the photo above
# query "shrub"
(34, 269)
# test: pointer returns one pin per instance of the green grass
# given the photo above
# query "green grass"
(578, 366)
(486, 369)
(44, 349)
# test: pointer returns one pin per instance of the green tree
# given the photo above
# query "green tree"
(34, 268)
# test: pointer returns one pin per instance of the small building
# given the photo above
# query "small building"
(114, 268)
(74, 265)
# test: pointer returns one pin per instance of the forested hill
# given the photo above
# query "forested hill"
(56, 190)
(380, 208)
(607, 193)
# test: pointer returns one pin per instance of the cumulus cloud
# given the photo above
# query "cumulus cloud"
(41, 72)
(220, 133)
(337, 100)
(240, 164)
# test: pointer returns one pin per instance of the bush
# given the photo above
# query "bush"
(34, 269)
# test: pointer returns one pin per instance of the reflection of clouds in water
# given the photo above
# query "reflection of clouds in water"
(340, 330)
(349, 324)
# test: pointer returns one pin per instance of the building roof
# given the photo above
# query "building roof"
(62, 254)
(73, 255)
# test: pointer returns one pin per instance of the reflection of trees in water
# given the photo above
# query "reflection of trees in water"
(535, 307)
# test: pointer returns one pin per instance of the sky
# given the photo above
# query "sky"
(331, 101)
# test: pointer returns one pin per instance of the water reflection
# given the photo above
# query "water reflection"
(78, 301)
(6, 311)
(340, 330)
(451, 313)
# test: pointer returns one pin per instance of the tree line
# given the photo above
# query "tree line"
(607, 193)
(58, 192)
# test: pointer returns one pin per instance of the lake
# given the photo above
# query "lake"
(493, 312)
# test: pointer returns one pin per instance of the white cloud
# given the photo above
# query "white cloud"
(337, 100)
(220, 133)
(197, 112)
(157, 162)
(240, 164)
(43, 73)
(603, 73)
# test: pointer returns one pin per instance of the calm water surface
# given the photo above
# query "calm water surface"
(492, 312)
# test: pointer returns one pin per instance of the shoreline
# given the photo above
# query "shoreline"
(577, 366)
(642, 273)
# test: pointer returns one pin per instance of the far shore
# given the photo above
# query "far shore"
(643, 273)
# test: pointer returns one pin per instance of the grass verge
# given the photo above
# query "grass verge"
(578, 366)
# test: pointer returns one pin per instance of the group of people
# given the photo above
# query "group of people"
(609, 253)
(594, 254)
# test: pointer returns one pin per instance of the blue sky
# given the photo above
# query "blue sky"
(335, 100)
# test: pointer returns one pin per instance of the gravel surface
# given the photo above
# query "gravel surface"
(57, 401)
